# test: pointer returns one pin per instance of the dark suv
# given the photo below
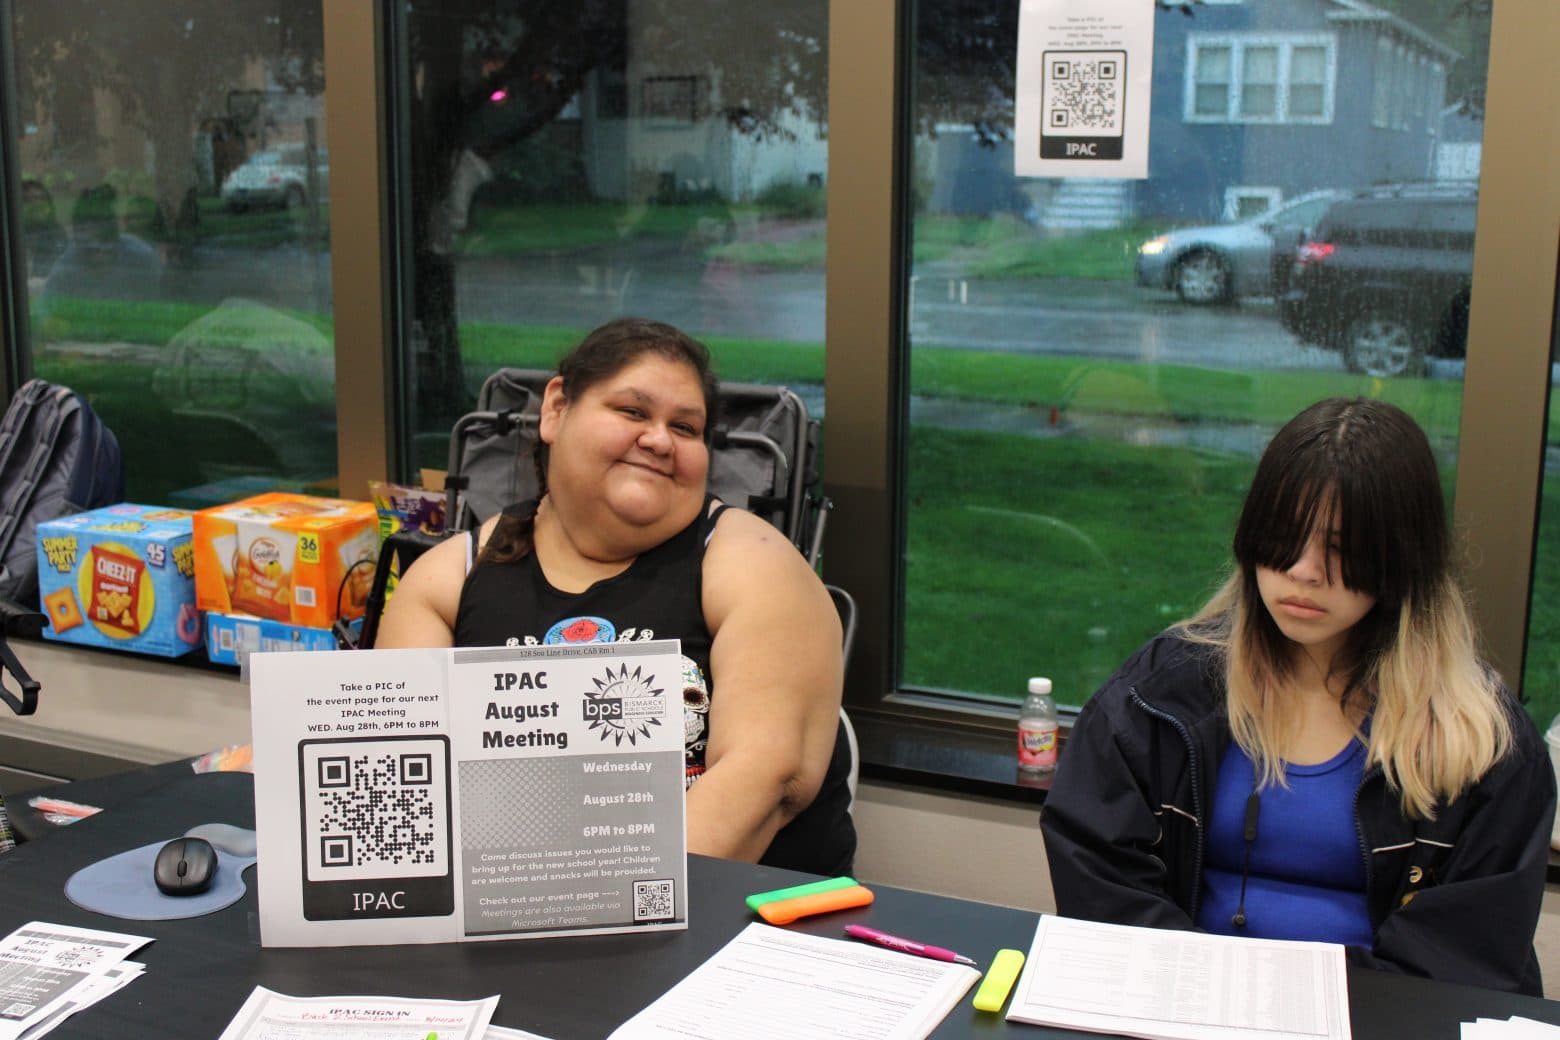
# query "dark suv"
(1385, 278)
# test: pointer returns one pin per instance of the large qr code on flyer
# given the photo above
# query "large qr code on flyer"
(1083, 93)
(654, 900)
(375, 808)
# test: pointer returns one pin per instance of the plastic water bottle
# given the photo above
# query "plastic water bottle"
(1037, 729)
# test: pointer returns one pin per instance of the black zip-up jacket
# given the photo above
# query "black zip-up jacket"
(1455, 898)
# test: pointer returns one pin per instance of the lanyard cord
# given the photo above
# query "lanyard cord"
(1253, 807)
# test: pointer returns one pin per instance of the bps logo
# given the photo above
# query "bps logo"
(624, 705)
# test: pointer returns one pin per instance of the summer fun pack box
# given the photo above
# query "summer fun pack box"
(121, 577)
(286, 557)
(232, 637)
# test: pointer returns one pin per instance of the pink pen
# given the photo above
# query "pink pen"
(894, 942)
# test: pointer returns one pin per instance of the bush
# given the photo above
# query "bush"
(792, 200)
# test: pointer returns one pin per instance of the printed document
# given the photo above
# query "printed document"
(410, 796)
(772, 984)
(1514, 1028)
(94, 989)
(48, 971)
(1173, 985)
(267, 1015)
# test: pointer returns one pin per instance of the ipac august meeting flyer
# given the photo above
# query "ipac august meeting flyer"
(440, 795)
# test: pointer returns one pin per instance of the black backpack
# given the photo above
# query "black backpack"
(56, 458)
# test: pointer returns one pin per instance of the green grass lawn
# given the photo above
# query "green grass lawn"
(1054, 554)
(982, 247)
(1180, 393)
(562, 227)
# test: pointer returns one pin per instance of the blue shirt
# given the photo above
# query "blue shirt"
(1306, 878)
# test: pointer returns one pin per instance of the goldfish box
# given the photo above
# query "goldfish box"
(232, 637)
(121, 577)
(285, 557)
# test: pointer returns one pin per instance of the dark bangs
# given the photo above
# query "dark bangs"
(1371, 462)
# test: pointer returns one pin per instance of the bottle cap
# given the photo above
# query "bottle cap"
(1040, 685)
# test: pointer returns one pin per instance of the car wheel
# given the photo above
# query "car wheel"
(293, 199)
(1382, 344)
(1202, 278)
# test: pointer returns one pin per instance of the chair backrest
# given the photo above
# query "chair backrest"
(846, 605)
(763, 455)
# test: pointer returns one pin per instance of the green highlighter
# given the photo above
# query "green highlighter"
(993, 992)
(759, 899)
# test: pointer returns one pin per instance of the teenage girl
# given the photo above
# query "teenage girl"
(1319, 753)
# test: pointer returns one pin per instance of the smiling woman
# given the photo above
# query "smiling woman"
(626, 543)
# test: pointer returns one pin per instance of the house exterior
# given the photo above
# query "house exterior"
(1255, 101)
(1252, 102)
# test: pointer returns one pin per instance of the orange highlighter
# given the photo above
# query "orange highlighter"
(784, 911)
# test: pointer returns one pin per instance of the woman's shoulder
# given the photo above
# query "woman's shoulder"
(746, 559)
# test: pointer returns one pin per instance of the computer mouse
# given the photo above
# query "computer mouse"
(224, 837)
(185, 866)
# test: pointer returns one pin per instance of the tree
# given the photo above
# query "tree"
(485, 77)
(169, 64)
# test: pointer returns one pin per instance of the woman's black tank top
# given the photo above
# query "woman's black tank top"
(659, 596)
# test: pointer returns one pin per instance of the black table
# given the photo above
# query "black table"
(201, 969)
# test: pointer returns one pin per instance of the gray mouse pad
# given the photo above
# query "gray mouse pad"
(122, 886)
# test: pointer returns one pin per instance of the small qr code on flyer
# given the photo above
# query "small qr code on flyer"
(653, 900)
(1082, 109)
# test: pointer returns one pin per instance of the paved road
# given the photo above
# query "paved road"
(1052, 316)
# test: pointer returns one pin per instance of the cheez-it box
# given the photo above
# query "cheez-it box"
(286, 557)
(120, 577)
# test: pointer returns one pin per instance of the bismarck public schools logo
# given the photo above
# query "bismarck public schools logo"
(624, 705)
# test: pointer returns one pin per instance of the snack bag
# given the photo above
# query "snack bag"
(403, 508)
(116, 589)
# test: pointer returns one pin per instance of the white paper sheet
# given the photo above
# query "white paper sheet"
(417, 796)
(267, 1015)
(92, 990)
(1509, 1029)
(1174, 985)
(1082, 88)
(771, 984)
(46, 967)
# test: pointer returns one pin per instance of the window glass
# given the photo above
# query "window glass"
(1307, 81)
(1381, 85)
(1259, 84)
(567, 164)
(175, 223)
(1211, 96)
(1541, 666)
(1095, 365)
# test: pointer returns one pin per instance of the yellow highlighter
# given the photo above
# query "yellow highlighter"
(993, 992)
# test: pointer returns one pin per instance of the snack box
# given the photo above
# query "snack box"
(122, 577)
(286, 557)
(401, 508)
(232, 637)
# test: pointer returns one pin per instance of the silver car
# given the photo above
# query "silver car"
(1217, 263)
(277, 177)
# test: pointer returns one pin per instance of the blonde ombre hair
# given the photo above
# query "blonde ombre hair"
(1438, 721)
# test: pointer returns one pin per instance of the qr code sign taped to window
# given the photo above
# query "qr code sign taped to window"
(376, 827)
(653, 900)
(1082, 104)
